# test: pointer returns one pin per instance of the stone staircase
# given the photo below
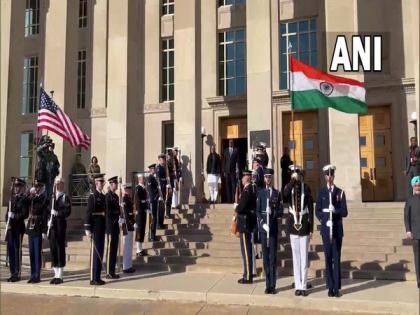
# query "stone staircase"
(197, 239)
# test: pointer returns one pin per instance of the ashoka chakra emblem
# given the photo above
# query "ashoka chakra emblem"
(326, 88)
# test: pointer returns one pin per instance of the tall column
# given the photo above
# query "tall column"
(116, 119)
(341, 18)
(259, 71)
(187, 113)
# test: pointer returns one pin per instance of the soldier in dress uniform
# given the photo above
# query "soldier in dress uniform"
(37, 228)
(153, 194)
(331, 208)
(300, 226)
(16, 216)
(142, 206)
(269, 209)
(57, 230)
(171, 173)
(113, 221)
(179, 180)
(165, 187)
(246, 219)
(95, 229)
(258, 173)
(127, 205)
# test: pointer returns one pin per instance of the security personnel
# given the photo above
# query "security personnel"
(16, 216)
(300, 226)
(142, 205)
(95, 229)
(269, 209)
(113, 221)
(153, 194)
(57, 230)
(165, 187)
(37, 228)
(127, 205)
(246, 219)
(331, 208)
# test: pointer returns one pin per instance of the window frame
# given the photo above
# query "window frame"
(165, 143)
(167, 7)
(81, 78)
(233, 2)
(26, 155)
(30, 88)
(83, 14)
(167, 46)
(31, 18)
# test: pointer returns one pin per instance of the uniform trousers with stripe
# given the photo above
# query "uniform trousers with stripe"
(300, 246)
(112, 249)
(96, 254)
(35, 249)
(141, 222)
(14, 249)
(154, 223)
(332, 251)
(128, 250)
(416, 251)
(270, 259)
(246, 250)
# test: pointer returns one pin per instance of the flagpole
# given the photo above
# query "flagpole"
(291, 105)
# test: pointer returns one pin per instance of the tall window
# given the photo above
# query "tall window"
(228, 2)
(31, 17)
(168, 7)
(30, 85)
(167, 134)
(25, 161)
(232, 63)
(303, 40)
(168, 69)
(82, 13)
(81, 79)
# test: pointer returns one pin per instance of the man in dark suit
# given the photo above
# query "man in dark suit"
(230, 170)
(412, 223)
(412, 163)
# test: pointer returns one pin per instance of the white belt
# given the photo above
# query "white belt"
(303, 212)
(325, 210)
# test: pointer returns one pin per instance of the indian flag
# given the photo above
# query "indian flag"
(311, 88)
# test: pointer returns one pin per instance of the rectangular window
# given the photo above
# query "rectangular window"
(168, 7)
(229, 2)
(82, 13)
(302, 37)
(30, 85)
(168, 69)
(25, 161)
(31, 17)
(232, 63)
(81, 79)
(167, 135)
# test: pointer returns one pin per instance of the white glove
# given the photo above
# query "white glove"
(168, 185)
(121, 221)
(122, 204)
(234, 206)
(88, 233)
(266, 228)
(54, 212)
(49, 224)
(135, 226)
(160, 199)
(32, 191)
(44, 236)
(331, 208)
(329, 223)
(268, 210)
(409, 235)
(11, 214)
(295, 176)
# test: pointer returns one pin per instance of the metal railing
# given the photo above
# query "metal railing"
(79, 188)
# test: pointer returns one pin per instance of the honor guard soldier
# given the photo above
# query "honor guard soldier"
(57, 225)
(300, 226)
(165, 187)
(113, 221)
(331, 208)
(246, 219)
(178, 173)
(412, 223)
(269, 209)
(95, 229)
(142, 206)
(37, 228)
(16, 214)
(127, 205)
(153, 194)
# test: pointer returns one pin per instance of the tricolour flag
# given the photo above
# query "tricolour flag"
(52, 118)
(311, 88)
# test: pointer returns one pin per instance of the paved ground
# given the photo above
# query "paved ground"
(18, 304)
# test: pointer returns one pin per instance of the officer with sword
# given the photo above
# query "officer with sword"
(331, 208)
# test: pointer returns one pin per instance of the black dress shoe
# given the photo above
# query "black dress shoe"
(141, 253)
(59, 281)
(303, 293)
(308, 286)
(267, 291)
(53, 281)
(330, 293)
(337, 293)
(298, 292)
(10, 279)
(129, 270)
(98, 282)
(112, 276)
(14, 279)
(273, 291)
(244, 281)
(30, 280)
(37, 280)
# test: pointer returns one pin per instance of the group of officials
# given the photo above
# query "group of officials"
(257, 212)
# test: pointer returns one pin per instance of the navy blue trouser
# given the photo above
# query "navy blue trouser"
(154, 206)
(35, 248)
(246, 250)
(270, 259)
(97, 255)
(332, 251)
(112, 249)
(14, 249)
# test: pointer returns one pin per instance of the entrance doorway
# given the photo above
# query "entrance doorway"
(235, 129)
(304, 147)
(376, 155)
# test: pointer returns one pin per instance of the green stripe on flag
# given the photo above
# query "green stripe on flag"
(312, 99)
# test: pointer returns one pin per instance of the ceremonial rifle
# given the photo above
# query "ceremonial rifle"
(124, 228)
(12, 189)
(52, 208)
(268, 219)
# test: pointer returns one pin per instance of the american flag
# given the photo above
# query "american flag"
(52, 118)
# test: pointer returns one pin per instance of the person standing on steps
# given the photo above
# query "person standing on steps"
(127, 205)
(230, 171)
(213, 173)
